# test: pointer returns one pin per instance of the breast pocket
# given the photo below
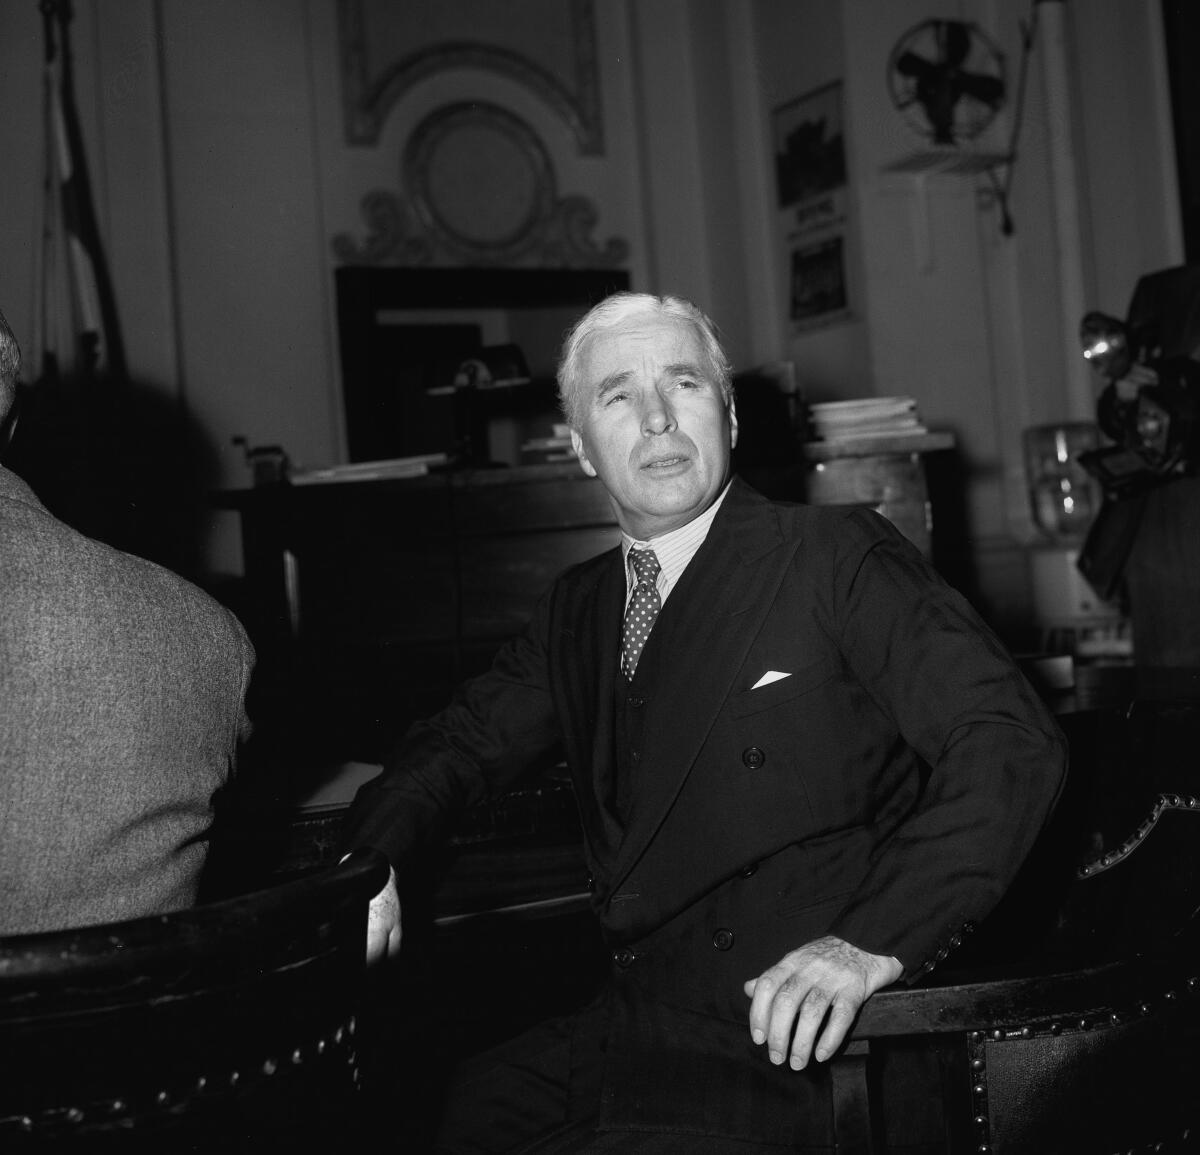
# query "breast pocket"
(784, 689)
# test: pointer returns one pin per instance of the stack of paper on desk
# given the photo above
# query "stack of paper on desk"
(868, 417)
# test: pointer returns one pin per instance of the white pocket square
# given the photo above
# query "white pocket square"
(769, 677)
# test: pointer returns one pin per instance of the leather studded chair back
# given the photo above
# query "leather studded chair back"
(1093, 1048)
(223, 1028)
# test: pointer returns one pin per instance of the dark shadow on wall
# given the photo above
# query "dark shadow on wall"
(946, 479)
(121, 463)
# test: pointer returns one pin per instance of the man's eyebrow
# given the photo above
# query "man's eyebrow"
(613, 381)
(686, 369)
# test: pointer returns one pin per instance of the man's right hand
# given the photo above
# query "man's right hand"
(383, 922)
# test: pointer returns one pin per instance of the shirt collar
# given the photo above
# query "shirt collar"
(674, 549)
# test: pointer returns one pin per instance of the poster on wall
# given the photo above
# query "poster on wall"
(810, 183)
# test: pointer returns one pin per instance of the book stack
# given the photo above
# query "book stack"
(868, 417)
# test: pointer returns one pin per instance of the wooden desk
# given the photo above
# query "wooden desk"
(370, 601)
(885, 473)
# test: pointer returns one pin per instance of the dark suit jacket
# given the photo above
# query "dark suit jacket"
(121, 706)
(885, 791)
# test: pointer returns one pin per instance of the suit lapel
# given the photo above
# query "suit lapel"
(587, 664)
(717, 609)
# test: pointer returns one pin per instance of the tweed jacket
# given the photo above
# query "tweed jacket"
(885, 790)
(121, 707)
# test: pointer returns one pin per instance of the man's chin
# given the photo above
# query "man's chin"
(663, 511)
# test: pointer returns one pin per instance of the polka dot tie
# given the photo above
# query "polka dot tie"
(643, 609)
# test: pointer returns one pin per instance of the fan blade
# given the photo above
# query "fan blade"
(987, 90)
(954, 42)
(910, 64)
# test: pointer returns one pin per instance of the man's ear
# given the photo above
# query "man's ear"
(577, 445)
(731, 408)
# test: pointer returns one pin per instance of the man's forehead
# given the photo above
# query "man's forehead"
(645, 344)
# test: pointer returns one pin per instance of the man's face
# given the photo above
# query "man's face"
(654, 426)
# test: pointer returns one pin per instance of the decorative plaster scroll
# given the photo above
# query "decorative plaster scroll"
(391, 238)
(368, 99)
(481, 188)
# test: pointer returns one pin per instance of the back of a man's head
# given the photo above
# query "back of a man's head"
(10, 366)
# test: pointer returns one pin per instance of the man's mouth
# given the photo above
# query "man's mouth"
(664, 462)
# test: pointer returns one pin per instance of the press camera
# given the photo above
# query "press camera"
(1150, 408)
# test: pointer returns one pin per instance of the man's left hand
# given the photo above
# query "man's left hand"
(824, 982)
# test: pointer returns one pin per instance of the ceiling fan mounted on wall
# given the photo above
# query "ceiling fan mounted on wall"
(947, 78)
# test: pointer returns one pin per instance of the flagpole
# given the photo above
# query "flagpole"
(45, 282)
(101, 347)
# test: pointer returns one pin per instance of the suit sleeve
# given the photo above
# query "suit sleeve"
(496, 726)
(996, 758)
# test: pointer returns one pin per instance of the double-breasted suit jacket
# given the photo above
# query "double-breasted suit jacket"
(886, 789)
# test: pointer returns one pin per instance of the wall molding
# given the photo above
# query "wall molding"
(369, 99)
(414, 229)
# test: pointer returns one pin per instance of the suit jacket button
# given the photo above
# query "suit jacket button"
(623, 957)
(635, 701)
(591, 885)
(723, 939)
(753, 758)
(749, 871)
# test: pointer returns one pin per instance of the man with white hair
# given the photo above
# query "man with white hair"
(805, 770)
(121, 709)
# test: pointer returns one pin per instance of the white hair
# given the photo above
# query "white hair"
(613, 312)
(10, 366)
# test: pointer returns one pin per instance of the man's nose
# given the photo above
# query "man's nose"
(657, 415)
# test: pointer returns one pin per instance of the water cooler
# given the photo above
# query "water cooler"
(1064, 499)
